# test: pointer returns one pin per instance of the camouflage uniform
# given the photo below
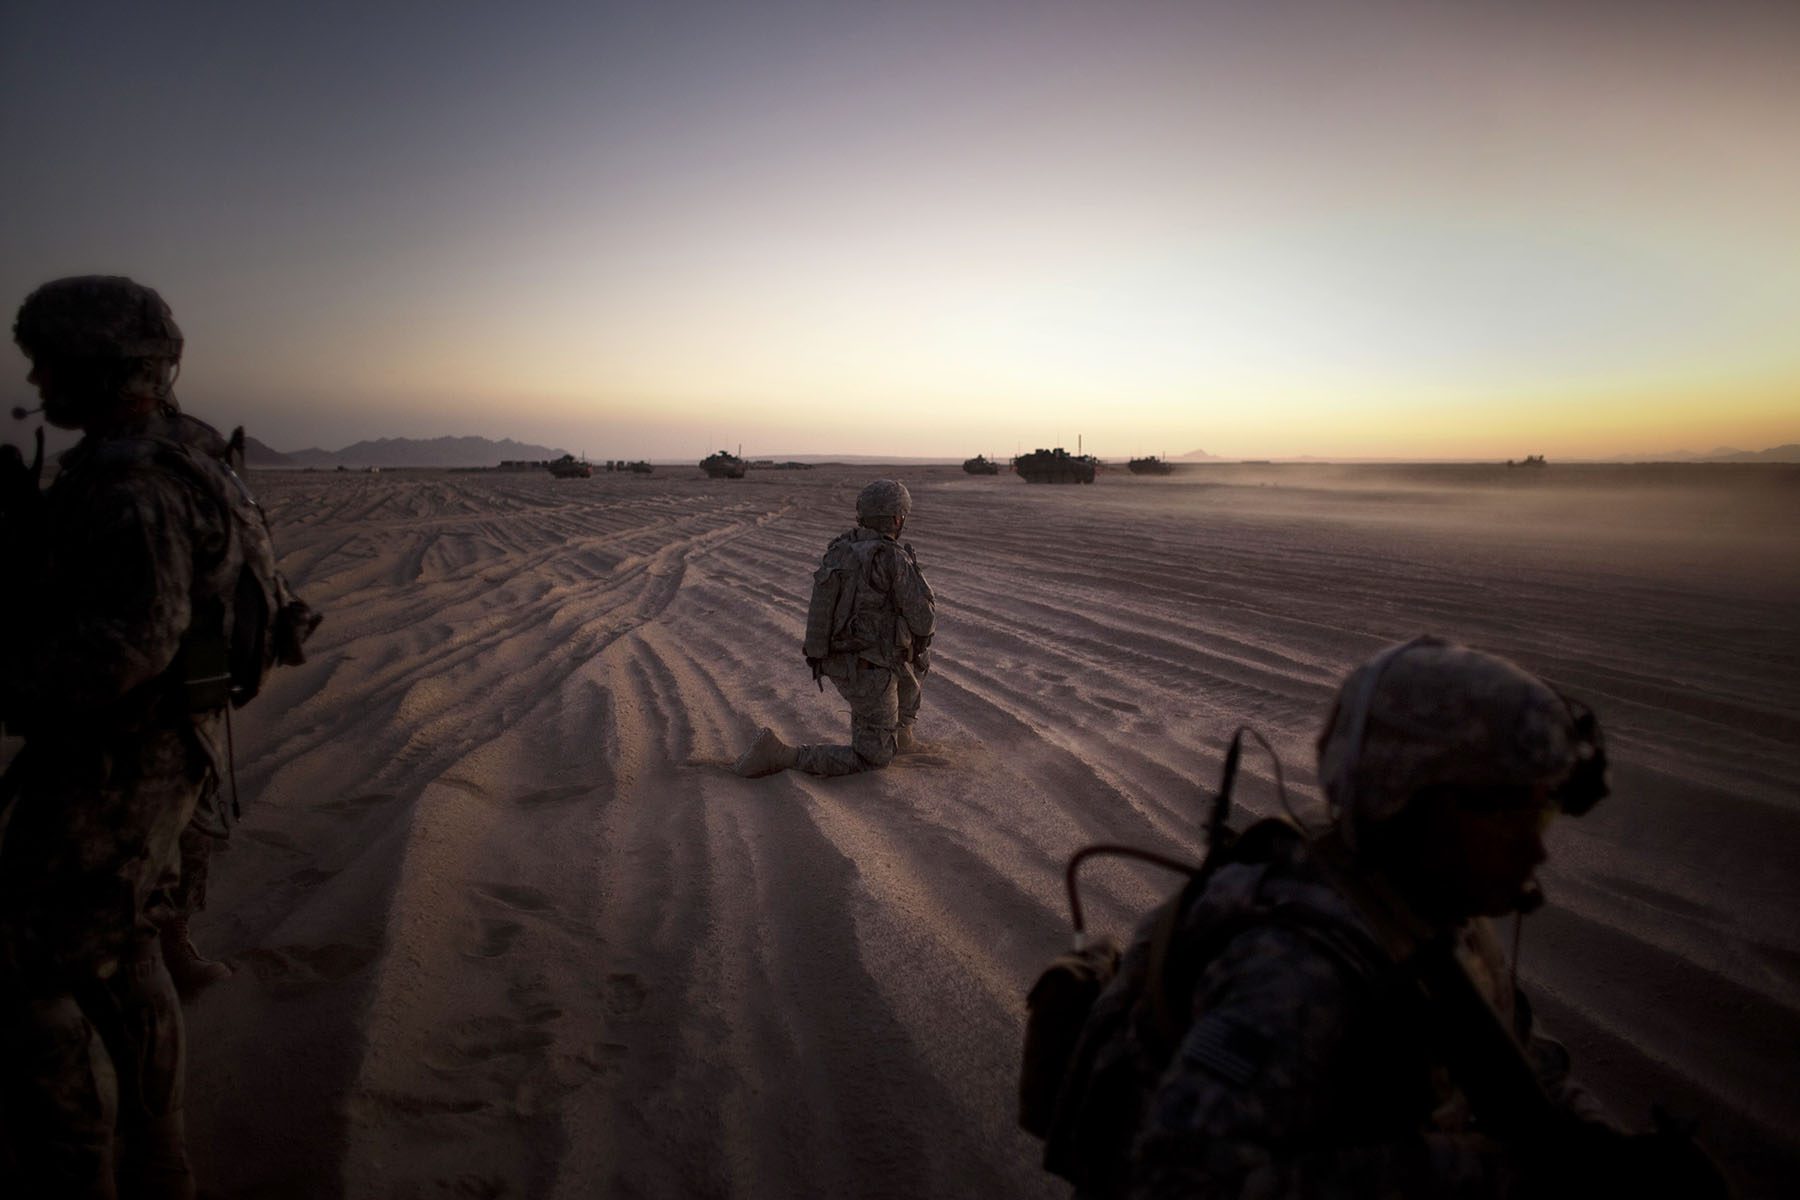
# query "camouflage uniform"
(1307, 1071)
(1304, 1051)
(880, 683)
(114, 764)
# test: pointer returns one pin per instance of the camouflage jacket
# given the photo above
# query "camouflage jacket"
(129, 545)
(1309, 1068)
(125, 549)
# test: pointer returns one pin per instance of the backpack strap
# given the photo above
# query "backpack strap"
(1174, 963)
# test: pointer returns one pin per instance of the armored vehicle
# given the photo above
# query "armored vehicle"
(981, 465)
(723, 466)
(1150, 466)
(1054, 466)
(570, 467)
(640, 467)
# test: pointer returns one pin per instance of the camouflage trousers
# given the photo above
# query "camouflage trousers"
(91, 1047)
(884, 702)
(189, 894)
(93, 1086)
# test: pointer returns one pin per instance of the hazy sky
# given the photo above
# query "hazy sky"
(654, 229)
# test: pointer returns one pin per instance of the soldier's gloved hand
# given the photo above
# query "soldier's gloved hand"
(922, 662)
(18, 490)
(1671, 1163)
(1589, 1160)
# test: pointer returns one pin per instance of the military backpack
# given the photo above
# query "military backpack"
(1095, 1041)
(833, 604)
(250, 622)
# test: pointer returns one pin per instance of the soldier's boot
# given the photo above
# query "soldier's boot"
(904, 741)
(767, 755)
(187, 968)
(153, 1164)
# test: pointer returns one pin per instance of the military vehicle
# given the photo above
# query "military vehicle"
(570, 467)
(640, 467)
(981, 464)
(1054, 466)
(723, 465)
(1150, 466)
(1531, 460)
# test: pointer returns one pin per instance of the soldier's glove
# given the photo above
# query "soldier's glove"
(21, 535)
(922, 662)
(1672, 1164)
(18, 482)
(1591, 1160)
(818, 670)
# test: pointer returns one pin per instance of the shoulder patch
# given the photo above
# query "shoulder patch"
(1226, 1048)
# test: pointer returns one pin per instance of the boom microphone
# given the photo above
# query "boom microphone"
(20, 412)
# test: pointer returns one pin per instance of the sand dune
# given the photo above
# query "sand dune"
(506, 925)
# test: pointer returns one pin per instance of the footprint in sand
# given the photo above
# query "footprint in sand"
(1124, 706)
(515, 896)
(482, 1040)
(410, 1105)
(288, 970)
(310, 877)
(608, 1058)
(925, 758)
(494, 938)
(561, 795)
(276, 841)
(355, 804)
(625, 993)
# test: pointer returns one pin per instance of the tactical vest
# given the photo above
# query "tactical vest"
(246, 618)
(847, 615)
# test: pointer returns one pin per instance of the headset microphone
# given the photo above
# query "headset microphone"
(20, 412)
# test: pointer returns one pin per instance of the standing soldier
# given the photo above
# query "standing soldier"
(868, 629)
(147, 601)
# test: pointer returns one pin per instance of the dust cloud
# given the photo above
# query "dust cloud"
(507, 925)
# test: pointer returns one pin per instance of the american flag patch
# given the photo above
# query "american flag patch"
(1225, 1048)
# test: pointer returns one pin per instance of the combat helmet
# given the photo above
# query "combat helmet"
(1432, 713)
(883, 498)
(104, 321)
(97, 316)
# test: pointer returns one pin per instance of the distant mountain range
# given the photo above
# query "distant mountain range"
(256, 454)
(405, 452)
(1788, 453)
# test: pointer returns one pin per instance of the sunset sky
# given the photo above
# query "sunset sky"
(650, 230)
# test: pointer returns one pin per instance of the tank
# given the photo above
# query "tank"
(1054, 466)
(1150, 466)
(639, 467)
(570, 467)
(723, 466)
(981, 464)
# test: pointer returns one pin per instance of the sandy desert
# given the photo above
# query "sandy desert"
(505, 924)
